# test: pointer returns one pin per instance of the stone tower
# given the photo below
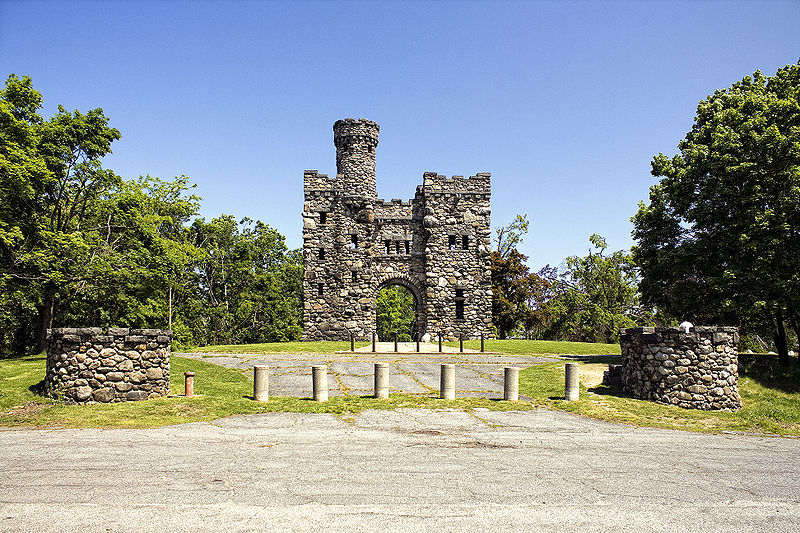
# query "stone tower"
(356, 141)
(354, 244)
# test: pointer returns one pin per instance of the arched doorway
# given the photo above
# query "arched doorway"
(399, 310)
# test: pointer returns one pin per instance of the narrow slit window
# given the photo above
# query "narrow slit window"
(452, 241)
(353, 241)
(464, 242)
(408, 247)
(397, 247)
(388, 246)
(323, 217)
(460, 304)
(320, 289)
(355, 276)
(322, 253)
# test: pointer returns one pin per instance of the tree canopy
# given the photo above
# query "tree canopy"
(719, 239)
(80, 245)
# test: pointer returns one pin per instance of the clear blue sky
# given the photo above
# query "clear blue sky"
(565, 103)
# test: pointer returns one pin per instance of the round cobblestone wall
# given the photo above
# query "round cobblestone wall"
(695, 370)
(86, 366)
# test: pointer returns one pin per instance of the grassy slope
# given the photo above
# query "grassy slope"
(770, 397)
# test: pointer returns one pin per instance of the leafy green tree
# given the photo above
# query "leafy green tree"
(597, 296)
(514, 287)
(395, 306)
(52, 180)
(249, 285)
(719, 239)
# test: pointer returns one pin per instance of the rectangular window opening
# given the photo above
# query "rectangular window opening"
(355, 276)
(459, 310)
(353, 241)
(388, 246)
(408, 247)
(459, 293)
(320, 289)
(451, 241)
(464, 242)
(323, 217)
(397, 247)
(322, 253)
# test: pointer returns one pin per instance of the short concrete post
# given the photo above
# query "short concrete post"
(461, 342)
(320, 382)
(189, 384)
(395, 342)
(447, 389)
(440, 341)
(481, 342)
(381, 380)
(511, 384)
(373, 342)
(352, 343)
(571, 390)
(261, 383)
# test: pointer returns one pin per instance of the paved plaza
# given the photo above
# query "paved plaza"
(477, 374)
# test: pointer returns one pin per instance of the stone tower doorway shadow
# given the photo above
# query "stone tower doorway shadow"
(417, 326)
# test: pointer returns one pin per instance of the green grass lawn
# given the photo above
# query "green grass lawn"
(219, 392)
(514, 347)
(770, 397)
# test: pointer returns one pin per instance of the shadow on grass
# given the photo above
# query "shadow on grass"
(599, 359)
(605, 390)
(765, 370)
(37, 388)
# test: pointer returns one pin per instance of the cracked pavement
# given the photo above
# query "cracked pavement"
(404, 470)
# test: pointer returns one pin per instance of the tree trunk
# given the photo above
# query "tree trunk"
(45, 319)
(795, 323)
(780, 339)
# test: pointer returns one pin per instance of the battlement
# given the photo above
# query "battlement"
(437, 183)
(314, 181)
(350, 130)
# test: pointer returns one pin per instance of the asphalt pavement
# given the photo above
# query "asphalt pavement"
(405, 470)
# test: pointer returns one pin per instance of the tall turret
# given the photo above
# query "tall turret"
(355, 142)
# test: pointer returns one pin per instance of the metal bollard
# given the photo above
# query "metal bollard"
(481, 342)
(395, 342)
(418, 337)
(382, 380)
(447, 389)
(352, 343)
(373, 341)
(461, 342)
(261, 383)
(320, 382)
(189, 384)
(511, 384)
(440, 342)
(571, 390)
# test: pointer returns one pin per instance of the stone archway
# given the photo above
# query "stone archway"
(420, 318)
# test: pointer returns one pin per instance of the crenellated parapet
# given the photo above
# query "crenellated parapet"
(355, 243)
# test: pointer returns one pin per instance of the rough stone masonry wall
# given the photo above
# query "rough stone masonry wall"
(354, 244)
(695, 370)
(84, 365)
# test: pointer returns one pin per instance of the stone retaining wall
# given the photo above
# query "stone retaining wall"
(695, 370)
(85, 366)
